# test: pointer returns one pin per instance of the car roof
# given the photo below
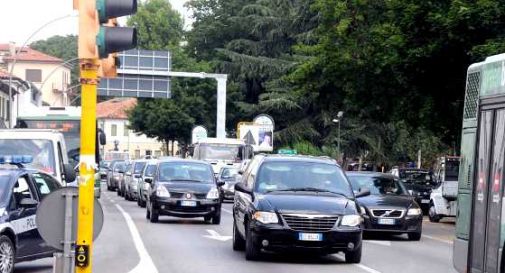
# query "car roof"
(300, 158)
(177, 159)
(370, 174)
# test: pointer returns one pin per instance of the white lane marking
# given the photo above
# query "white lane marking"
(438, 239)
(382, 243)
(227, 211)
(366, 268)
(146, 264)
(216, 236)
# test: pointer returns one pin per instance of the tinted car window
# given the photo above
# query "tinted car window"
(45, 184)
(274, 176)
(119, 167)
(229, 173)
(416, 177)
(377, 185)
(139, 166)
(185, 171)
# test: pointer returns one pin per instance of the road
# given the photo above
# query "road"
(129, 243)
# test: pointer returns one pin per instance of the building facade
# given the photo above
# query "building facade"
(49, 74)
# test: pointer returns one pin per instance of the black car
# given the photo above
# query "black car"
(184, 188)
(419, 183)
(389, 208)
(296, 203)
(21, 191)
(228, 176)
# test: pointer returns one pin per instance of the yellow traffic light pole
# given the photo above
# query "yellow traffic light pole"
(89, 81)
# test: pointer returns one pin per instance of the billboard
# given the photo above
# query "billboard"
(259, 133)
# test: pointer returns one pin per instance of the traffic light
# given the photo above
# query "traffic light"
(111, 39)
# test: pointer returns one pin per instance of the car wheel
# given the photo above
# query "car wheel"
(216, 219)
(238, 241)
(252, 251)
(353, 257)
(142, 203)
(414, 236)
(432, 214)
(155, 214)
(118, 192)
(138, 202)
(7, 255)
(148, 213)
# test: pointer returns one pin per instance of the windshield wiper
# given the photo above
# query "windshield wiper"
(185, 180)
(309, 189)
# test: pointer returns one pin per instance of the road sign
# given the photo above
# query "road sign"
(198, 133)
(51, 217)
(81, 255)
(287, 152)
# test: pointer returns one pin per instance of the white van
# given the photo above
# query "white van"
(221, 152)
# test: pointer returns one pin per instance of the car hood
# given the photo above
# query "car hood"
(391, 201)
(306, 204)
(190, 187)
(417, 187)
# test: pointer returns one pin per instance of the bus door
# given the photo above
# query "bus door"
(486, 241)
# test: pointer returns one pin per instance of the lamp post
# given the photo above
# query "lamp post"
(338, 120)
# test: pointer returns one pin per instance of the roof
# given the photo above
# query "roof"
(177, 159)
(306, 158)
(28, 54)
(371, 174)
(212, 140)
(115, 108)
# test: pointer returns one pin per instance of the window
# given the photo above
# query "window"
(33, 75)
(22, 190)
(157, 153)
(149, 152)
(113, 130)
(137, 154)
(45, 184)
(126, 131)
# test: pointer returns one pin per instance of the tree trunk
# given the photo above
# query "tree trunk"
(167, 147)
(173, 154)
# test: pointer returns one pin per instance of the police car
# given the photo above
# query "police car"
(21, 190)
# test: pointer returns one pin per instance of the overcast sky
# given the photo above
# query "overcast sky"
(20, 18)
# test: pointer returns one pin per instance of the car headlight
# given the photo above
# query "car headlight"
(363, 209)
(414, 212)
(213, 194)
(161, 191)
(351, 220)
(266, 217)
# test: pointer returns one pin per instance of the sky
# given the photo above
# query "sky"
(21, 18)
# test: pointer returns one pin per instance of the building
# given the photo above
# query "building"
(49, 74)
(26, 96)
(113, 119)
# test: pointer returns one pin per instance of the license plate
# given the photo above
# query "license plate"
(188, 203)
(310, 237)
(386, 221)
(425, 201)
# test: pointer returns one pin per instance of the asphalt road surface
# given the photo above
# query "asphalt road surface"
(130, 243)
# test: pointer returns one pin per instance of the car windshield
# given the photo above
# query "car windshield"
(219, 152)
(185, 171)
(139, 166)
(301, 176)
(377, 185)
(229, 173)
(120, 166)
(150, 170)
(451, 170)
(41, 151)
(4, 184)
(418, 177)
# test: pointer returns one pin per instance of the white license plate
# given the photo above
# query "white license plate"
(188, 203)
(386, 221)
(310, 237)
(425, 201)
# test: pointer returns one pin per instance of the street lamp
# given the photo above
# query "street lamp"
(338, 120)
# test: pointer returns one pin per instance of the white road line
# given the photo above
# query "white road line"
(438, 239)
(227, 211)
(382, 243)
(366, 268)
(146, 264)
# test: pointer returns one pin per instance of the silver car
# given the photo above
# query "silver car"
(131, 179)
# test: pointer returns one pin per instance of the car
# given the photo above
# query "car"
(228, 175)
(21, 190)
(419, 182)
(112, 174)
(131, 177)
(389, 208)
(143, 188)
(121, 170)
(186, 189)
(290, 203)
(104, 167)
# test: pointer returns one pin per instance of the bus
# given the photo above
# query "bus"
(222, 151)
(480, 222)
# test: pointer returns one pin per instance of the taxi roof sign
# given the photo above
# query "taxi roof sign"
(287, 152)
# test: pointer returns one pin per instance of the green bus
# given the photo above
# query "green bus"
(480, 224)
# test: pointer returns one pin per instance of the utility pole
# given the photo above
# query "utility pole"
(96, 47)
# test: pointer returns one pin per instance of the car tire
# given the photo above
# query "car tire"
(155, 214)
(414, 236)
(216, 219)
(353, 257)
(252, 251)
(207, 219)
(8, 253)
(143, 204)
(118, 192)
(148, 213)
(138, 202)
(238, 241)
(434, 218)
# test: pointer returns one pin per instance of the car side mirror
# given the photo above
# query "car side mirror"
(220, 183)
(241, 187)
(137, 175)
(28, 203)
(148, 180)
(69, 173)
(240, 172)
(363, 193)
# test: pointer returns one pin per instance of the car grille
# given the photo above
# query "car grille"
(180, 195)
(310, 223)
(387, 213)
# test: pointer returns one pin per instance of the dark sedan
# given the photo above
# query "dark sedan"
(389, 208)
(228, 177)
(296, 203)
(184, 188)
(419, 183)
